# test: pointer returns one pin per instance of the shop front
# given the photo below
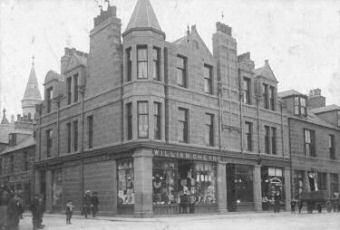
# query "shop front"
(183, 186)
(240, 188)
(273, 187)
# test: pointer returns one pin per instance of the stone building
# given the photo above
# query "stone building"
(18, 152)
(149, 123)
(314, 131)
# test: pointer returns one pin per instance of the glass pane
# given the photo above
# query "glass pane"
(180, 62)
(143, 126)
(142, 107)
(125, 182)
(180, 76)
(142, 70)
(303, 101)
(180, 131)
(142, 54)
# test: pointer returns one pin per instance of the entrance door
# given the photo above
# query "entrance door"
(231, 191)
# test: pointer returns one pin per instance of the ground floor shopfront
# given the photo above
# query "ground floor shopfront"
(156, 181)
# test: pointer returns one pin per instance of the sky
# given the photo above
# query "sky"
(300, 38)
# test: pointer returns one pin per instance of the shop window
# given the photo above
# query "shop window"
(126, 194)
(178, 181)
(208, 79)
(298, 180)
(57, 190)
(90, 131)
(322, 181)
(249, 136)
(240, 185)
(309, 142)
(331, 146)
(209, 129)
(312, 180)
(246, 91)
(142, 62)
(75, 136)
(69, 90)
(143, 119)
(182, 125)
(128, 64)
(157, 120)
(334, 183)
(156, 64)
(272, 185)
(181, 70)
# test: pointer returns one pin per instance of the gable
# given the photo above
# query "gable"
(73, 62)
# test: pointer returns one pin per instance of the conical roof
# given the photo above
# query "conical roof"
(266, 72)
(4, 119)
(32, 89)
(143, 17)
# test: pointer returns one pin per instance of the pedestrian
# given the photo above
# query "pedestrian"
(94, 204)
(277, 199)
(69, 211)
(37, 209)
(4, 199)
(87, 203)
(300, 203)
(13, 212)
(292, 205)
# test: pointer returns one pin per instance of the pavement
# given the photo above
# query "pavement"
(243, 221)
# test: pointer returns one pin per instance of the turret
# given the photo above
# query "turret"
(32, 95)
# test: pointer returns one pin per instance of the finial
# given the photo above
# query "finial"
(4, 112)
(108, 3)
(188, 30)
(33, 60)
(222, 16)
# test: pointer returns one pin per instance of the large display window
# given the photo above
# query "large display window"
(126, 194)
(181, 181)
(272, 185)
(57, 190)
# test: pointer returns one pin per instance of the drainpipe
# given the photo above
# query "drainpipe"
(82, 92)
(241, 95)
(290, 158)
(282, 132)
(220, 115)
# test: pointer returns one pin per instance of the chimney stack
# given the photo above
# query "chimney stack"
(315, 100)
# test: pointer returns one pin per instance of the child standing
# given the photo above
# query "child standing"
(69, 211)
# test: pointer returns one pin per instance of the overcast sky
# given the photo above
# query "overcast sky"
(301, 39)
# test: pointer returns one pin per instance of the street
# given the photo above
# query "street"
(253, 221)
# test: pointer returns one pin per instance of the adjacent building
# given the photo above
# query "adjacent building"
(314, 143)
(18, 149)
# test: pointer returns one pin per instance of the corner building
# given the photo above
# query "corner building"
(159, 127)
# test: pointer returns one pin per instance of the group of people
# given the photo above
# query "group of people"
(12, 208)
(90, 204)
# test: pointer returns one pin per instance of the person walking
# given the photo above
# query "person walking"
(4, 199)
(94, 204)
(13, 213)
(87, 203)
(69, 211)
(300, 203)
(37, 209)
(277, 199)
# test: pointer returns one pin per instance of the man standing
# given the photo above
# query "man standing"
(94, 204)
(87, 203)
(13, 213)
(37, 209)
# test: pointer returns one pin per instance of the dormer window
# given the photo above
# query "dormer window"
(246, 90)
(69, 90)
(142, 62)
(181, 71)
(12, 139)
(300, 106)
(75, 87)
(208, 79)
(265, 96)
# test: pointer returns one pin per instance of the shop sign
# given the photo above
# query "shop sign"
(184, 155)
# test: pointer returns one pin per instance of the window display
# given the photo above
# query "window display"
(272, 183)
(57, 189)
(126, 194)
(175, 182)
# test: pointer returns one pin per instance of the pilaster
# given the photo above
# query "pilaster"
(287, 188)
(222, 187)
(257, 188)
(143, 182)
